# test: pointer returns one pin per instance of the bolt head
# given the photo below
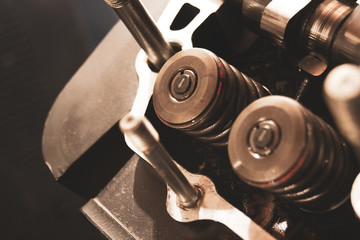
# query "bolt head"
(263, 138)
(183, 85)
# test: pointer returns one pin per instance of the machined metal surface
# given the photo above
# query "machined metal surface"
(211, 206)
(145, 139)
(342, 95)
(177, 112)
(183, 84)
(308, 165)
(100, 93)
(93, 102)
(132, 206)
(144, 30)
(277, 15)
(264, 138)
(346, 45)
(322, 34)
(324, 24)
(252, 10)
(274, 166)
(183, 203)
(182, 37)
(219, 93)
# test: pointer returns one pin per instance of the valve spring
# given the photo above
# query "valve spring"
(201, 95)
(278, 145)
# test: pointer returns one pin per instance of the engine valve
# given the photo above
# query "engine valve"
(200, 94)
(278, 145)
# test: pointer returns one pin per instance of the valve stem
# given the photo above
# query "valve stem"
(145, 138)
(144, 30)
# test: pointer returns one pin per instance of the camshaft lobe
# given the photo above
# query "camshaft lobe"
(278, 145)
(201, 95)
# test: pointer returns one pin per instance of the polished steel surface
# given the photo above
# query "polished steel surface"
(183, 84)
(117, 3)
(144, 30)
(328, 30)
(181, 37)
(346, 45)
(342, 95)
(76, 120)
(314, 64)
(184, 203)
(132, 206)
(177, 112)
(205, 114)
(266, 169)
(309, 164)
(143, 136)
(276, 16)
(324, 25)
(252, 10)
(263, 138)
(74, 125)
(213, 207)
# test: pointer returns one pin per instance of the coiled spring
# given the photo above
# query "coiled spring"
(200, 94)
(278, 145)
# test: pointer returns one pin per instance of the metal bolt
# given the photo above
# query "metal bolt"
(264, 138)
(183, 84)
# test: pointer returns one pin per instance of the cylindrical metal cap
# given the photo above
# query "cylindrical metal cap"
(203, 89)
(274, 124)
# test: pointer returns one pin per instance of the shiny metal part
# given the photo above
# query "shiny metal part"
(264, 138)
(220, 93)
(132, 206)
(143, 136)
(346, 45)
(117, 3)
(213, 207)
(342, 95)
(355, 196)
(180, 37)
(276, 16)
(330, 33)
(183, 84)
(76, 121)
(324, 25)
(144, 30)
(308, 165)
(201, 204)
(314, 64)
(252, 11)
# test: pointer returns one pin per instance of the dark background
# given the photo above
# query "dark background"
(42, 43)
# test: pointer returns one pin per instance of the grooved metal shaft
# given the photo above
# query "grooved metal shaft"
(144, 30)
(144, 137)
